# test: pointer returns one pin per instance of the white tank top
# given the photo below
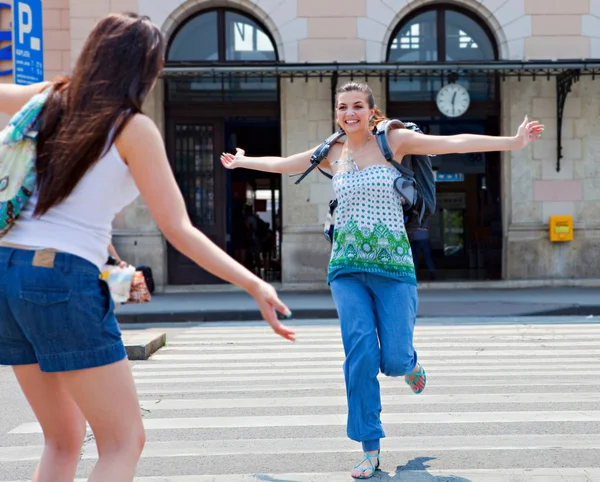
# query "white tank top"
(82, 223)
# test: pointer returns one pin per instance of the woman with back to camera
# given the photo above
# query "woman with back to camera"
(96, 152)
(375, 296)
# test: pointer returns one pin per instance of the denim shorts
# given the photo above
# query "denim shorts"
(55, 311)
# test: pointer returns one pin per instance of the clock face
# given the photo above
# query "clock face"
(453, 100)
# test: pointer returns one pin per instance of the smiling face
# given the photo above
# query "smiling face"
(353, 111)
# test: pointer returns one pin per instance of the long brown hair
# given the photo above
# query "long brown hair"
(378, 116)
(116, 70)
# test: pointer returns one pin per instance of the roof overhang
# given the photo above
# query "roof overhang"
(503, 68)
(565, 72)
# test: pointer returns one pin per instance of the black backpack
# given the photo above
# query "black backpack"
(415, 184)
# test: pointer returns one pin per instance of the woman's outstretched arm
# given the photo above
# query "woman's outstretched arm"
(281, 165)
(405, 141)
(13, 97)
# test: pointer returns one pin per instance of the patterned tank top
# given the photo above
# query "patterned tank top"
(369, 225)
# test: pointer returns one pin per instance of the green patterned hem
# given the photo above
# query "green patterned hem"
(376, 250)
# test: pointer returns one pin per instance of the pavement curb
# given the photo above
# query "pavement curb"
(208, 316)
(142, 345)
(322, 313)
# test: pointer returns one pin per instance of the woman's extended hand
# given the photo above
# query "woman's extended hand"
(528, 132)
(230, 161)
(269, 303)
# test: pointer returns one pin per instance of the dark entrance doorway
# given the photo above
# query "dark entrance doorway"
(205, 116)
(254, 210)
(193, 145)
(238, 210)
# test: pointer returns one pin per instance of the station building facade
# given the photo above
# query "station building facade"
(262, 74)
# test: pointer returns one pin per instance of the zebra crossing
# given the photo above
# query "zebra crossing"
(505, 401)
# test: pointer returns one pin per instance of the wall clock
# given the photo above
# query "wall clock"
(453, 100)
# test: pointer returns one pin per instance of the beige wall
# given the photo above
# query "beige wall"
(57, 44)
(360, 30)
(538, 191)
(85, 14)
(557, 29)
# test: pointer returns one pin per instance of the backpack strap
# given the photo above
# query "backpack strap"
(326, 174)
(320, 154)
(381, 132)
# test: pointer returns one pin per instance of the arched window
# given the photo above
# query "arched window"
(221, 36)
(217, 37)
(441, 34)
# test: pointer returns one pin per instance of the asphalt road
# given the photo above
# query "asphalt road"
(514, 399)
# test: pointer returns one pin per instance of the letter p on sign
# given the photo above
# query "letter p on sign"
(26, 26)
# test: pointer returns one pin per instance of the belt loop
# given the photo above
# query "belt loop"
(64, 262)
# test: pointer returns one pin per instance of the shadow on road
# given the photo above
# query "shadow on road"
(414, 471)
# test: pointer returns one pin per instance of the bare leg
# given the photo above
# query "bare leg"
(62, 422)
(108, 399)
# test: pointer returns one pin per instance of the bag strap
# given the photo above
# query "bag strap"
(320, 154)
(381, 133)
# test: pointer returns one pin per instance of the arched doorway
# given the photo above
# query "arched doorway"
(466, 232)
(239, 210)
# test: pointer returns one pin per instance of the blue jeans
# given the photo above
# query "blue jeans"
(377, 316)
(55, 311)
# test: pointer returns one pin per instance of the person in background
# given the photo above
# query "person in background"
(112, 252)
(420, 242)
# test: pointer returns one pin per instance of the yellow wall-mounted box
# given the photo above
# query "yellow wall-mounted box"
(561, 228)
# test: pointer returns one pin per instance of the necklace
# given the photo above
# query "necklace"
(350, 155)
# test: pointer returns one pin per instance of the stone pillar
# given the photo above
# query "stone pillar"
(306, 120)
(538, 191)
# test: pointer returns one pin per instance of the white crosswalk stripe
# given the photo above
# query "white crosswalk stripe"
(504, 402)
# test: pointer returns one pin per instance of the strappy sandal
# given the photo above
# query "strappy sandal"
(374, 467)
(417, 376)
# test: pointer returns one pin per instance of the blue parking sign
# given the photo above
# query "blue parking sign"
(28, 41)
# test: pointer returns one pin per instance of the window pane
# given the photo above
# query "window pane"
(197, 40)
(245, 40)
(194, 168)
(465, 39)
(419, 88)
(208, 89)
(417, 41)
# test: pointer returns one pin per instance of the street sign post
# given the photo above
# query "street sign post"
(28, 48)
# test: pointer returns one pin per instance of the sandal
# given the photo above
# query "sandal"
(417, 376)
(374, 468)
